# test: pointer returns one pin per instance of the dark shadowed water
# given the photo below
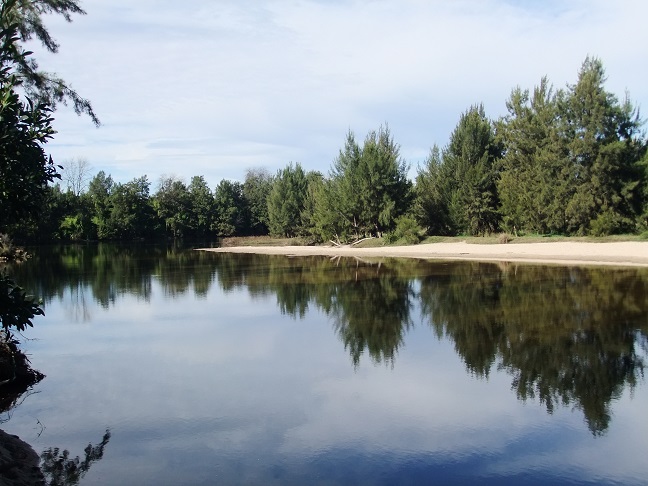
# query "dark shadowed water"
(245, 369)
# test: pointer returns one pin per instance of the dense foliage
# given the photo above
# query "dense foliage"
(570, 161)
(25, 126)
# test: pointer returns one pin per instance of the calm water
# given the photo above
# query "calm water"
(244, 369)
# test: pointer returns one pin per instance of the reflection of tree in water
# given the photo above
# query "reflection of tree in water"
(107, 271)
(370, 303)
(372, 315)
(19, 463)
(59, 469)
(567, 335)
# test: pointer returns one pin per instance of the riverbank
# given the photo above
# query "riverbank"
(628, 253)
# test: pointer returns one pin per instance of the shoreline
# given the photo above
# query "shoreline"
(622, 254)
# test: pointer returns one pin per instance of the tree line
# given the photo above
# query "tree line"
(570, 161)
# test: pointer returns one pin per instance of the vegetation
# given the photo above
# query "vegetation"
(40, 86)
(568, 162)
(27, 98)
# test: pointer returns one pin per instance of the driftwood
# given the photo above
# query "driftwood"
(361, 240)
(337, 244)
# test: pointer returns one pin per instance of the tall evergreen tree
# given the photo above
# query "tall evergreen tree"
(469, 175)
(368, 188)
(430, 208)
(533, 183)
(384, 189)
(340, 211)
(604, 146)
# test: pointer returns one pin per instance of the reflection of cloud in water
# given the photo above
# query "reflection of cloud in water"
(228, 387)
(295, 410)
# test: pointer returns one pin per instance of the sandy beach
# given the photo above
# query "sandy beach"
(560, 253)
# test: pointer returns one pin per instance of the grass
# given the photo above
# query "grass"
(261, 241)
(495, 239)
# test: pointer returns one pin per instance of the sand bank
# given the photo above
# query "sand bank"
(561, 253)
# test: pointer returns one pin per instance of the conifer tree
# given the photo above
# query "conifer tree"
(604, 147)
(430, 206)
(368, 188)
(533, 181)
(468, 173)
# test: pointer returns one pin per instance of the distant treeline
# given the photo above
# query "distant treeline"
(570, 161)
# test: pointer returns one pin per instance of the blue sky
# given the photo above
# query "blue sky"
(213, 88)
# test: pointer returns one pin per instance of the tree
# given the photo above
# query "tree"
(172, 205)
(430, 208)
(121, 211)
(643, 218)
(228, 208)
(469, 175)
(76, 174)
(201, 202)
(604, 147)
(312, 221)
(76, 223)
(286, 201)
(384, 188)
(339, 208)
(256, 190)
(44, 87)
(368, 188)
(132, 214)
(25, 127)
(533, 185)
(99, 191)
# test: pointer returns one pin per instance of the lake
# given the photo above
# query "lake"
(203, 368)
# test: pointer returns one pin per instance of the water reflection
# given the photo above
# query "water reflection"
(568, 336)
(109, 270)
(59, 469)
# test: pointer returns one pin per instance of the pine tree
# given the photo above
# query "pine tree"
(368, 188)
(430, 208)
(468, 175)
(603, 142)
(532, 183)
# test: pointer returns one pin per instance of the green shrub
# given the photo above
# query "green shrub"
(407, 231)
(17, 309)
